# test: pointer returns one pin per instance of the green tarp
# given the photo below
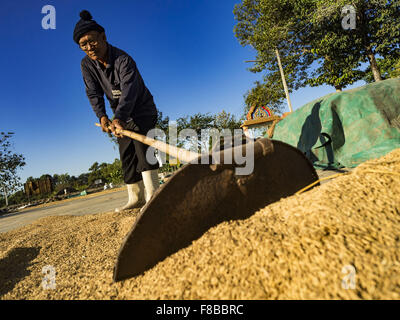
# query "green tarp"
(347, 128)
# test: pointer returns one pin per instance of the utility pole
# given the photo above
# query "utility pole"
(283, 79)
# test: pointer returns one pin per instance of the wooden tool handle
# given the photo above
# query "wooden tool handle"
(178, 153)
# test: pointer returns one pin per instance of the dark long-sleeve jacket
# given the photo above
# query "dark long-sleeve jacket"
(122, 84)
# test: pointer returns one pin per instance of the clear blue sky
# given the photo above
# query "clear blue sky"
(185, 50)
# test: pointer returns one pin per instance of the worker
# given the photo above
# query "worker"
(109, 71)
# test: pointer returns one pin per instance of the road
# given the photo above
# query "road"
(92, 204)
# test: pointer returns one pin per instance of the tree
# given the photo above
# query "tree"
(376, 32)
(268, 93)
(332, 47)
(162, 123)
(113, 172)
(305, 32)
(200, 123)
(95, 173)
(226, 120)
(311, 31)
(55, 178)
(389, 68)
(9, 164)
(94, 167)
(396, 70)
(45, 176)
(83, 180)
(103, 166)
(269, 26)
(64, 179)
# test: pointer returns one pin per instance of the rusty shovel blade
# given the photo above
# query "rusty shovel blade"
(200, 196)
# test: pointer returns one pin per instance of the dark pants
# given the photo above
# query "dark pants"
(133, 153)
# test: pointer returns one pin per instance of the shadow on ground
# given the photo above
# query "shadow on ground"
(14, 267)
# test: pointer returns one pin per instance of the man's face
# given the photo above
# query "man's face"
(94, 44)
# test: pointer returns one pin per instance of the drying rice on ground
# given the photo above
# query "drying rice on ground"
(337, 241)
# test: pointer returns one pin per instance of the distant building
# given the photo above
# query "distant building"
(39, 186)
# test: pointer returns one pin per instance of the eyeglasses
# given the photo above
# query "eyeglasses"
(84, 45)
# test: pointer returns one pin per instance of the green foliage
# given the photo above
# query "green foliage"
(396, 70)
(113, 172)
(62, 181)
(194, 132)
(332, 47)
(94, 167)
(226, 120)
(190, 130)
(376, 33)
(315, 49)
(106, 172)
(16, 198)
(269, 25)
(389, 68)
(162, 123)
(9, 164)
(82, 180)
(95, 173)
(268, 93)
(202, 126)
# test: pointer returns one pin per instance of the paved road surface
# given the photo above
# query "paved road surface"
(96, 204)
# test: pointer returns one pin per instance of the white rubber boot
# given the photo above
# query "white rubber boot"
(151, 183)
(135, 196)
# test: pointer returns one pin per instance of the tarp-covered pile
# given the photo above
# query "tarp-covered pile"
(346, 128)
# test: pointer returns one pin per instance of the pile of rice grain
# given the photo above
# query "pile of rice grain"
(338, 241)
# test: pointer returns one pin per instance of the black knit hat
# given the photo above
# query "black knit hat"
(86, 24)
